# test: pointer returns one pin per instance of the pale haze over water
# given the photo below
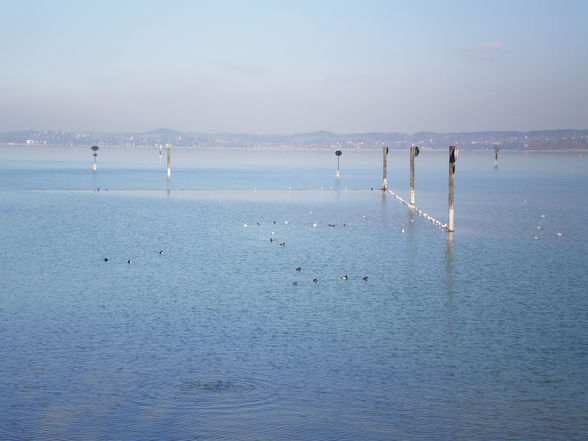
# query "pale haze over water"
(291, 67)
(478, 335)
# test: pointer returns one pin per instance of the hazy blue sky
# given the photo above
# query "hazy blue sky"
(293, 66)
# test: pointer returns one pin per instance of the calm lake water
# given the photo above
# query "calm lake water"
(481, 335)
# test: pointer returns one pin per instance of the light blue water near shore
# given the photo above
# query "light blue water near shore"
(481, 335)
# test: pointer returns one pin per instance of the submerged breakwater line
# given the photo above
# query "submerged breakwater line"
(414, 152)
(419, 211)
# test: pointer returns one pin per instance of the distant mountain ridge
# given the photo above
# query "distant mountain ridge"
(562, 139)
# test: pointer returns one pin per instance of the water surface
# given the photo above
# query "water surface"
(477, 335)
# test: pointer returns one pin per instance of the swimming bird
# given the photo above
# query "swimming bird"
(106, 259)
(298, 269)
(542, 215)
(160, 251)
(345, 277)
(536, 238)
(314, 225)
(559, 234)
(245, 225)
(295, 283)
(271, 239)
(129, 261)
(365, 278)
(286, 222)
(314, 280)
(283, 244)
(539, 227)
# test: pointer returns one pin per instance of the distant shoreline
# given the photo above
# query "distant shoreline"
(464, 148)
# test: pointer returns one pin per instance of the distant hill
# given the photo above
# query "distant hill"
(163, 132)
(564, 139)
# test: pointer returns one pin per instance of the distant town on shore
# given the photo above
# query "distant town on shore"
(566, 139)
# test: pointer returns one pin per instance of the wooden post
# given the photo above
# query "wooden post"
(168, 160)
(496, 150)
(385, 163)
(452, 158)
(412, 155)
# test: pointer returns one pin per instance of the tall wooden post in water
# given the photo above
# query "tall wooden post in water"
(414, 152)
(496, 150)
(168, 146)
(452, 159)
(385, 164)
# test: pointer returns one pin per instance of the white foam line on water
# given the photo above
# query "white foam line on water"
(419, 211)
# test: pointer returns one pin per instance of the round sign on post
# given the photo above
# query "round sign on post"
(95, 148)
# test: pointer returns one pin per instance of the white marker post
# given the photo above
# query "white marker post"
(385, 172)
(168, 146)
(414, 152)
(338, 153)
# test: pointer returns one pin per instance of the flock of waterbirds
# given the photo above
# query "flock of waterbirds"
(314, 225)
(130, 261)
(540, 227)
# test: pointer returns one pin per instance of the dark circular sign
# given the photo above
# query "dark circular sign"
(95, 147)
(338, 152)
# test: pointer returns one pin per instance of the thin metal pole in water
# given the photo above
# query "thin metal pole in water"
(338, 153)
(452, 159)
(496, 150)
(94, 148)
(385, 172)
(168, 160)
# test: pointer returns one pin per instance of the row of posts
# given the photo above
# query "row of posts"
(414, 152)
(95, 149)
